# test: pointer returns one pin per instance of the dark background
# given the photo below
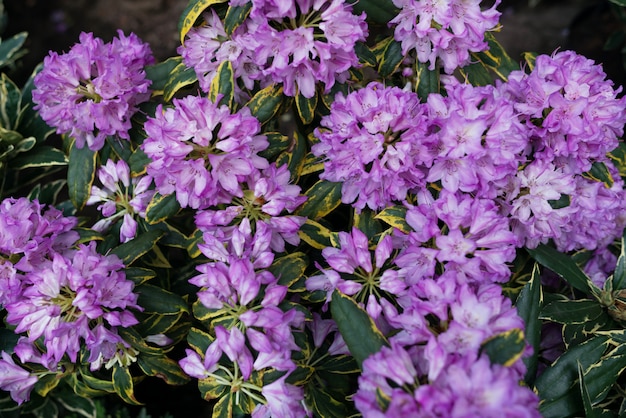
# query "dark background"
(581, 25)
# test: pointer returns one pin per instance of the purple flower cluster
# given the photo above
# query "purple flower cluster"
(93, 90)
(250, 327)
(202, 151)
(444, 31)
(296, 43)
(486, 143)
(125, 200)
(59, 299)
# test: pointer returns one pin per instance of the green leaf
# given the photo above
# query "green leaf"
(211, 389)
(619, 275)
(356, 327)
(365, 54)
(162, 367)
(80, 174)
(180, 77)
(235, 16)
(41, 156)
(10, 102)
(557, 379)
(223, 85)
(619, 2)
(477, 74)
(602, 375)
(159, 73)
(600, 172)
(289, 268)
(199, 340)
(191, 13)
(306, 107)
(505, 348)
(80, 405)
(379, 11)
(562, 265)
(391, 57)
(10, 48)
(157, 323)
(138, 161)
(322, 198)
(294, 156)
(577, 311)
(277, 144)
(266, 103)
(317, 235)
(496, 58)
(590, 412)
(528, 304)
(154, 299)
(396, 217)
(139, 275)
(560, 203)
(130, 251)
(325, 405)
(46, 383)
(224, 407)
(427, 81)
(161, 208)
(123, 384)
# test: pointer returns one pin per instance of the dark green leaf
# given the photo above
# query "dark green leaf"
(557, 379)
(590, 412)
(123, 384)
(135, 248)
(163, 368)
(266, 103)
(496, 58)
(356, 327)
(223, 85)
(159, 73)
(289, 268)
(10, 48)
(323, 197)
(154, 299)
(601, 376)
(560, 203)
(139, 275)
(277, 144)
(191, 13)
(224, 406)
(562, 265)
(380, 11)
(619, 2)
(41, 156)
(528, 304)
(235, 16)
(577, 311)
(199, 340)
(306, 107)
(161, 208)
(505, 348)
(619, 275)
(317, 235)
(325, 405)
(180, 77)
(294, 156)
(80, 174)
(427, 81)
(600, 172)
(396, 217)
(391, 58)
(365, 54)
(77, 404)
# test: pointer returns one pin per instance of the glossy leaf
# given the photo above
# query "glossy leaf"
(358, 330)
(294, 156)
(124, 387)
(306, 107)
(562, 265)
(505, 348)
(601, 376)
(81, 171)
(235, 16)
(325, 405)
(391, 57)
(323, 197)
(163, 368)
(191, 13)
(557, 379)
(496, 58)
(277, 144)
(161, 208)
(139, 275)
(224, 406)
(159, 73)
(528, 304)
(289, 268)
(619, 275)
(130, 251)
(199, 340)
(223, 85)
(80, 405)
(266, 103)
(577, 311)
(11, 48)
(380, 11)
(600, 172)
(395, 216)
(41, 156)
(10, 102)
(180, 77)
(317, 235)
(157, 300)
(427, 81)
(590, 412)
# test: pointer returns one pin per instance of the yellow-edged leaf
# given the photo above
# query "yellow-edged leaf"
(191, 13)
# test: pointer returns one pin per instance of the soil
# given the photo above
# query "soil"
(582, 25)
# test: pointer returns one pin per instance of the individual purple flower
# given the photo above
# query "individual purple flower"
(93, 90)
(16, 380)
(296, 43)
(282, 400)
(374, 142)
(443, 32)
(120, 198)
(202, 152)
